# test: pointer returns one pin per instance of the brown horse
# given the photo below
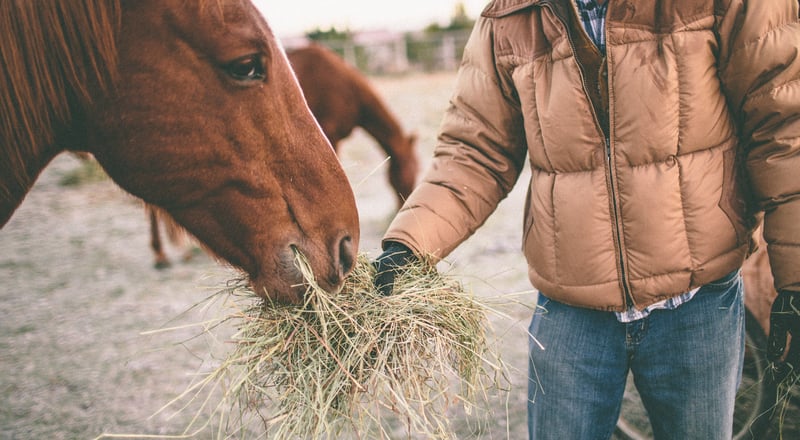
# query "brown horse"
(341, 98)
(190, 106)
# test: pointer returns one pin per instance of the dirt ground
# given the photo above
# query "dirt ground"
(81, 304)
(84, 345)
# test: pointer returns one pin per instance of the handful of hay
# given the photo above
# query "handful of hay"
(349, 360)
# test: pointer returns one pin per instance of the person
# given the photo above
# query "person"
(658, 135)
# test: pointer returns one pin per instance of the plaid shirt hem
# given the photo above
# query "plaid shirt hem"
(632, 314)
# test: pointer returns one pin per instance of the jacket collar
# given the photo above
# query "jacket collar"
(501, 8)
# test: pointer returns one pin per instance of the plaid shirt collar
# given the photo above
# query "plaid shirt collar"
(593, 17)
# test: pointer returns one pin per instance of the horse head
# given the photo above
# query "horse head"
(205, 119)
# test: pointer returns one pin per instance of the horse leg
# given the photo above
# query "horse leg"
(161, 260)
(179, 237)
(191, 249)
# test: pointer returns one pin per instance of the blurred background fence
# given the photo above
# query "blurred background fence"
(384, 52)
(387, 52)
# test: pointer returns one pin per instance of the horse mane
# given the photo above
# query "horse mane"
(54, 53)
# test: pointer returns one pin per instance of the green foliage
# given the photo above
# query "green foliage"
(89, 171)
(331, 34)
(459, 21)
(424, 49)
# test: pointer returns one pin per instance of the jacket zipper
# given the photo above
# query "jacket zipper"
(621, 259)
(627, 297)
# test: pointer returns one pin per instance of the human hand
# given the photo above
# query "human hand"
(784, 321)
(389, 264)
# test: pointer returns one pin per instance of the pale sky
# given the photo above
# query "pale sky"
(295, 17)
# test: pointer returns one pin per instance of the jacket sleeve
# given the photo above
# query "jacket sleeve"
(760, 73)
(479, 154)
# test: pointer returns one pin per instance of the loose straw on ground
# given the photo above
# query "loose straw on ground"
(350, 361)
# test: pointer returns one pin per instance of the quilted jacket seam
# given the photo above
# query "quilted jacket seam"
(746, 45)
(773, 90)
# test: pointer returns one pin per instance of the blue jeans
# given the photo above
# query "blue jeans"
(686, 363)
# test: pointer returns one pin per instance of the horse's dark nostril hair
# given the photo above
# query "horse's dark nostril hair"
(347, 257)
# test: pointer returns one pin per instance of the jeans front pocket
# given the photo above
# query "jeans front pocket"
(728, 288)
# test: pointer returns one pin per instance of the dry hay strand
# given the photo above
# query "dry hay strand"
(356, 361)
(787, 390)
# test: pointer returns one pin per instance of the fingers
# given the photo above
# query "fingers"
(776, 344)
(389, 264)
(780, 368)
(385, 270)
(384, 282)
(793, 357)
(779, 322)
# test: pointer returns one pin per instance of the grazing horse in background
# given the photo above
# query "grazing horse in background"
(341, 98)
(191, 106)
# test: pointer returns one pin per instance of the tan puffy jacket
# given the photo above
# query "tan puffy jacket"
(647, 166)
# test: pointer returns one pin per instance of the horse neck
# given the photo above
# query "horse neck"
(376, 119)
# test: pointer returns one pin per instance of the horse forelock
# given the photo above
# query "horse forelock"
(54, 52)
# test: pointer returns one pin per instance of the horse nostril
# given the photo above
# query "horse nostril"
(347, 257)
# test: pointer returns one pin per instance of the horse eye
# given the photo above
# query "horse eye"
(249, 68)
